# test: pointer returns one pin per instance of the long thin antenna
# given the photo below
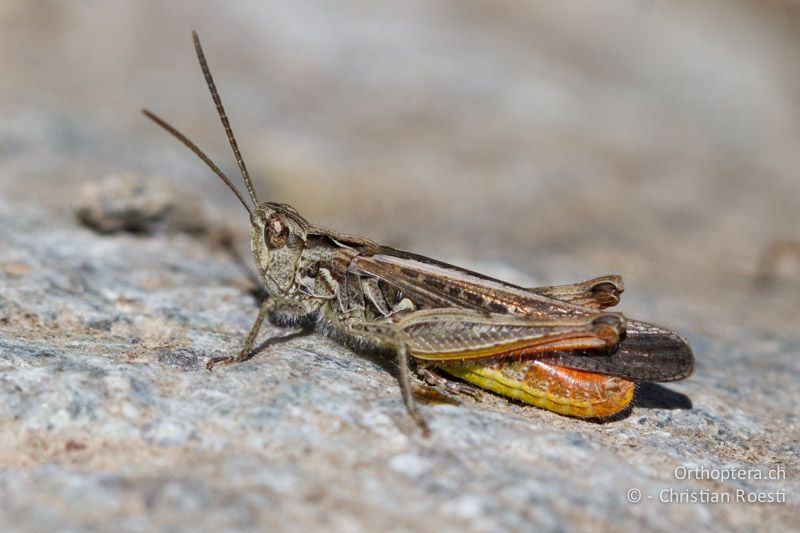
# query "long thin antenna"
(198, 152)
(223, 117)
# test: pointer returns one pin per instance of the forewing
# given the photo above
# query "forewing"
(433, 284)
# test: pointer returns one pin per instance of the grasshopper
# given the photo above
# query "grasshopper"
(553, 347)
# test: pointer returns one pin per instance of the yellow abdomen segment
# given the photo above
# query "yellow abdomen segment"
(566, 391)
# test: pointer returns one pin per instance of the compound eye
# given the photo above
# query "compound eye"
(276, 231)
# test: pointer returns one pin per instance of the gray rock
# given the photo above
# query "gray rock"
(137, 204)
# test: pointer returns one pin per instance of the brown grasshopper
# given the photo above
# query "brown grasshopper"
(553, 347)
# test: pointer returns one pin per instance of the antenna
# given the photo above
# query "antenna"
(223, 117)
(198, 152)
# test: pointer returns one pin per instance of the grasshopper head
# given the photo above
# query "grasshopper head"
(277, 236)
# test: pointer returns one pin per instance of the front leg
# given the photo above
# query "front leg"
(281, 312)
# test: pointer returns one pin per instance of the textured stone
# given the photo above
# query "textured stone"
(137, 204)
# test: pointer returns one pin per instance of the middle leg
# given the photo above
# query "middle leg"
(377, 336)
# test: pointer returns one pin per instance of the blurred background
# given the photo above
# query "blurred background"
(542, 143)
(654, 139)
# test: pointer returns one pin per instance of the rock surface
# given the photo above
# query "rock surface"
(538, 144)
